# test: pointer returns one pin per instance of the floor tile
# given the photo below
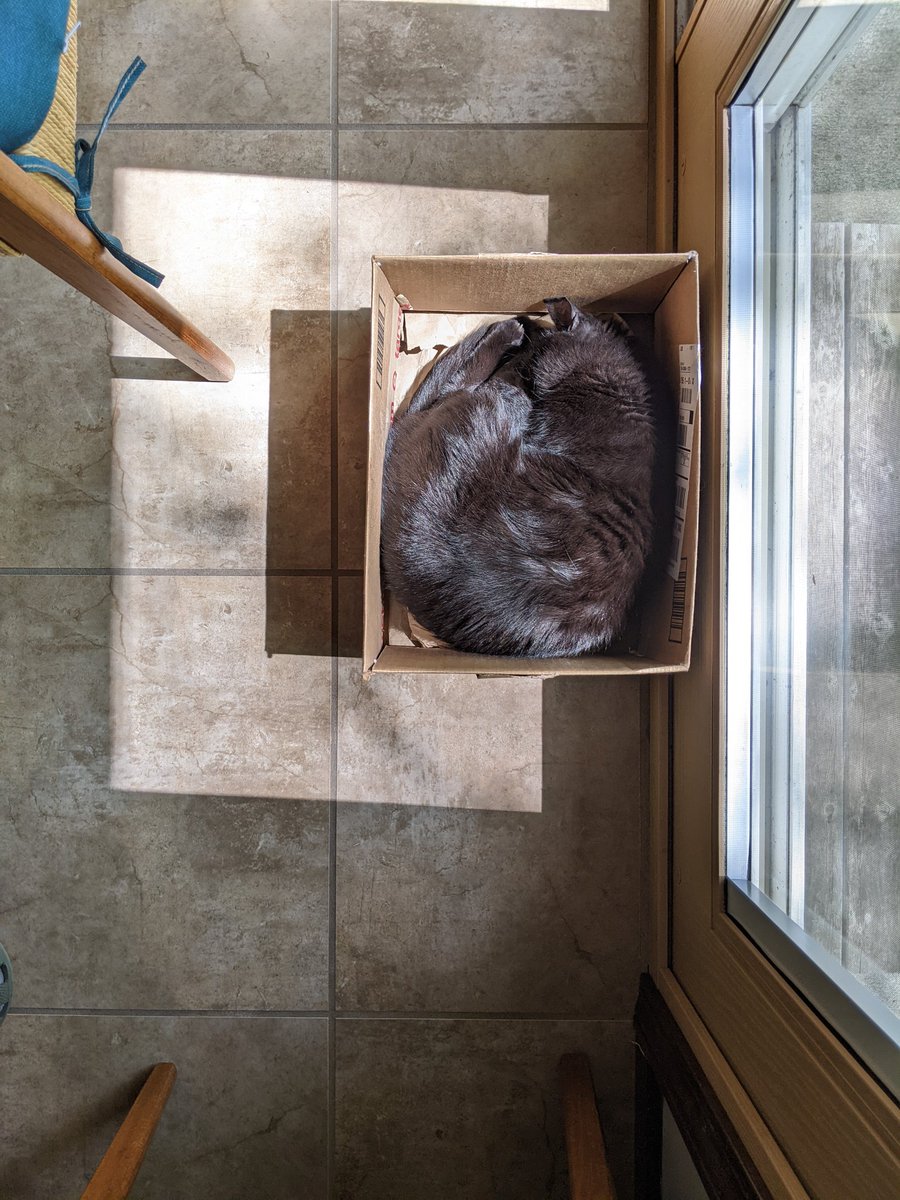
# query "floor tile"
(438, 1110)
(214, 476)
(489, 911)
(350, 617)
(54, 705)
(289, 154)
(297, 618)
(239, 223)
(354, 338)
(220, 61)
(377, 218)
(248, 1104)
(198, 706)
(451, 741)
(470, 63)
(54, 422)
(169, 901)
(298, 520)
(189, 474)
(586, 212)
(171, 678)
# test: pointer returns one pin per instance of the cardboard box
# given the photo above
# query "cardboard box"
(420, 304)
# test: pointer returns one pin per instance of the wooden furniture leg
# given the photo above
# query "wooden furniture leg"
(589, 1177)
(120, 1164)
(36, 224)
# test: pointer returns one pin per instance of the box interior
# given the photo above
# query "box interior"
(420, 305)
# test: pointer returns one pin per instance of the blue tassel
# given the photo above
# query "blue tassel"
(81, 183)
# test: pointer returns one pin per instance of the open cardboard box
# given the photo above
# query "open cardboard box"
(421, 304)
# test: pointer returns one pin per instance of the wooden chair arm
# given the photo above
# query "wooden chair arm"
(36, 224)
(589, 1177)
(120, 1164)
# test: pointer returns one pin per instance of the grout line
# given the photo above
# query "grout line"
(498, 126)
(650, 193)
(215, 572)
(330, 1091)
(644, 825)
(313, 1014)
(670, 824)
(846, 632)
(240, 1013)
(225, 127)
(415, 1015)
(380, 127)
(335, 56)
(650, 145)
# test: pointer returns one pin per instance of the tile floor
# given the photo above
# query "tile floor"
(363, 919)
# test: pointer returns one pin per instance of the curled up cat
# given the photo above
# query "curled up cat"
(526, 487)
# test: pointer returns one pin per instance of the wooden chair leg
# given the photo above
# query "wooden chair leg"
(589, 1177)
(36, 224)
(120, 1164)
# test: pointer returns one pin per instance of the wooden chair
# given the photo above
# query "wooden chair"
(589, 1176)
(37, 218)
(119, 1166)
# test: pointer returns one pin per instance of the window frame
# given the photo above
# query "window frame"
(769, 305)
(814, 1119)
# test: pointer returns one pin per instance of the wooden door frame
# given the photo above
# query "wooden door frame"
(814, 1121)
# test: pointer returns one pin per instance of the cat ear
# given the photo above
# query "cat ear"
(564, 313)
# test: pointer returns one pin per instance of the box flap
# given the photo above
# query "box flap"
(521, 282)
(415, 660)
(668, 614)
(386, 328)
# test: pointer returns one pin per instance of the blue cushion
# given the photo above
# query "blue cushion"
(32, 38)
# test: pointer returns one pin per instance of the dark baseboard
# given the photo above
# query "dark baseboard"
(668, 1070)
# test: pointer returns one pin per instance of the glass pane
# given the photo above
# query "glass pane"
(813, 749)
(852, 821)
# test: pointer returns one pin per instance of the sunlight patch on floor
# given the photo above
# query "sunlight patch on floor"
(220, 677)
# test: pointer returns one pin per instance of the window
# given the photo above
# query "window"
(813, 545)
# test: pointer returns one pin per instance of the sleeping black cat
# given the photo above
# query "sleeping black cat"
(526, 487)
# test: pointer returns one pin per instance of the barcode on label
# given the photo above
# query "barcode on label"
(686, 425)
(675, 548)
(676, 622)
(689, 396)
(379, 344)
